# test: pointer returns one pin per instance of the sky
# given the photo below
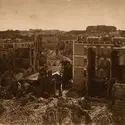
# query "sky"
(61, 14)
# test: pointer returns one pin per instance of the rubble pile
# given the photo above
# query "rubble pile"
(101, 115)
(119, 99)
(16, 114)
(54, 111)
(67, 111)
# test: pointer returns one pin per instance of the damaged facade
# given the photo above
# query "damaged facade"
(92, 61)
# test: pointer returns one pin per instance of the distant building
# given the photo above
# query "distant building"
(1, 43)
(76, 32)
(118, 40)
(15, 43)
(49, 41)
(116, 33)
(46, 42)
(122, 32)
(67, 39)
(65, 43)
(101, 28)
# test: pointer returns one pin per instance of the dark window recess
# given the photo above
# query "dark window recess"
(8, 45)
(82, 73)
(85, 73)
(23, 53)
(85, 61)
(21, 63)
(85, 51)
(32, 61)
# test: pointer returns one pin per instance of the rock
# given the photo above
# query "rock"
(84, 103)
(41, 99)
(23, 101)
(32, 98)
(36, 106)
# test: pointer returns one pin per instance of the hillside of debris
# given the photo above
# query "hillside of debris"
(54, 111)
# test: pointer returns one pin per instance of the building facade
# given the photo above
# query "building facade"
(102, 47)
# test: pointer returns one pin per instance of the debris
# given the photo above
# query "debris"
(62, 110)
(101, 115)
(36, 106)
(2, 109)
(85, 104)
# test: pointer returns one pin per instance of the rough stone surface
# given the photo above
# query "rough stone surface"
(56, 111)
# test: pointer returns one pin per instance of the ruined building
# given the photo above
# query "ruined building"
(92, 60)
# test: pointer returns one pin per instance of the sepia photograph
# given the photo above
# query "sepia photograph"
(62, 62)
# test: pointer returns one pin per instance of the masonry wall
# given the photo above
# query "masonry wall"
(102, 50)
